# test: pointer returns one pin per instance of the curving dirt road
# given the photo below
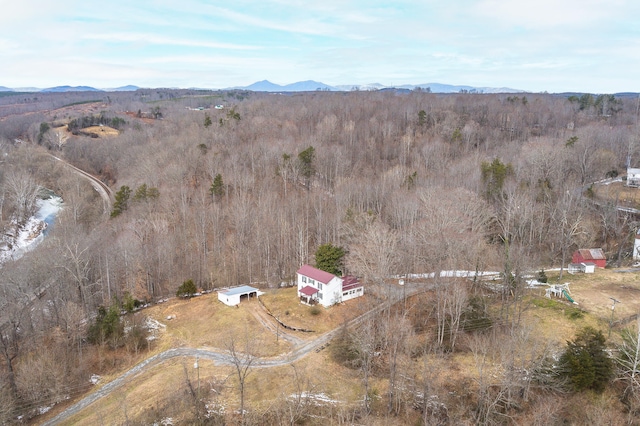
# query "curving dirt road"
(105, 192)
(224, 358)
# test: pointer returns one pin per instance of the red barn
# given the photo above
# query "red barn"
(590, 255)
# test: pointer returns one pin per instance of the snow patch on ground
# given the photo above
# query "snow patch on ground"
(14, 246)
(450, 274)
(317, 398)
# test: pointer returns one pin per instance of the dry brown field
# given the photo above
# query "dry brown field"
(204, 322)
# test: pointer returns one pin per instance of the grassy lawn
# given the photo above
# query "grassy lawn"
(619, 192)
(206, 322)
(284, 304)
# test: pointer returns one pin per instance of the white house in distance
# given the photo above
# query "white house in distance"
(232, 296)
(317, 286)
(636, 246)
(633, 177)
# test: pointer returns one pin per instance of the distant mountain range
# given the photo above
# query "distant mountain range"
(310, 86)
(61, 89)
(301, 86)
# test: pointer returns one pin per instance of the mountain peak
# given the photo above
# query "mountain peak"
(312, 85)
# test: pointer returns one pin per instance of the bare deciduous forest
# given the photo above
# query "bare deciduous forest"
(406, 182)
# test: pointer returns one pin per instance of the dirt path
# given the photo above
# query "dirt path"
(105, 192)
(271, 325)
(219, 357)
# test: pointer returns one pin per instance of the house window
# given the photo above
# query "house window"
(311, 281)
(319, 296)
(319, 285)
(345, 293)
(304, 279)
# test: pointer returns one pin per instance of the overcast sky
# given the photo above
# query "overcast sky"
(542, 45)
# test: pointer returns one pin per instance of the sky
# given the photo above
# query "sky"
(543, 45)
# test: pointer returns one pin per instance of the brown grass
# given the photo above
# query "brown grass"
(205, 322)
(284, 304)
(620, 193)
(593, 291)
(102, 131)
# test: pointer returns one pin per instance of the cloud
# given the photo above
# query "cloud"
(542, 14)
(150, 38)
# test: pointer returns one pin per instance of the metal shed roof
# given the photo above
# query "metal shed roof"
(239, 290)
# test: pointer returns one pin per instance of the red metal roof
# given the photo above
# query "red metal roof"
(592, 254)
(316, 274)
(350, 282)
(308, 290)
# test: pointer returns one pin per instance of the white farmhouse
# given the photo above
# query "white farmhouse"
(317, 286)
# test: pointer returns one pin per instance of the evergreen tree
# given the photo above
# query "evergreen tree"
(107, 326)
(422, 117)
(187, 289)
(494, 175)
(307, 169)
(330, 258)
(144, 193)
(585, 362)
(217, 187)
(122, 201)
(44, 128)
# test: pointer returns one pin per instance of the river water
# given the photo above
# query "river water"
(34, 231)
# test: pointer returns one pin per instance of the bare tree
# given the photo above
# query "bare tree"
(568, 221)
(22, 190)
(628, 360)
(242, 358)
(374, 255)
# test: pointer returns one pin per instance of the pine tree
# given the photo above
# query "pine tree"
(307, 169)
(122, 201)
(187, 289)
(217, 187)
(330, 258)
(585, 362)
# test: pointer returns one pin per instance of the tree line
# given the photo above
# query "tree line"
(404, 183)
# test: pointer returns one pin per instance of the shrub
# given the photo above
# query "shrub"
(187, 289)
(107, 326)
(475, 317)
(315, 310)
(542, 276)
(344, 351)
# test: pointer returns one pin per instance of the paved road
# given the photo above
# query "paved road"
(224, 358)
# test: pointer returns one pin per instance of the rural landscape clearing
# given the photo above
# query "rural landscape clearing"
(474, 222)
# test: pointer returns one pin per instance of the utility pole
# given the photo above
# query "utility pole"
(197, 367)
(613, 307)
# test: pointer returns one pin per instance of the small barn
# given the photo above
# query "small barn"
(233, 296)
(595, 256)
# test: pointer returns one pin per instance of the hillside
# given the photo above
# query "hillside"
(407, 183)
(321, 382)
